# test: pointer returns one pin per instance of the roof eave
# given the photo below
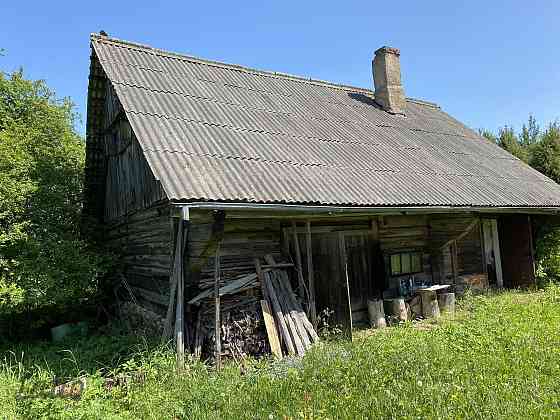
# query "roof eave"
(309, 210)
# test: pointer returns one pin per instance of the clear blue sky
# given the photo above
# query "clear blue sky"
(488, 63)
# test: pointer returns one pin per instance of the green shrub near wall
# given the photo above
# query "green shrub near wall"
(43, 260)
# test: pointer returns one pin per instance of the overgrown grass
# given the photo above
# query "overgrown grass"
(500, 358)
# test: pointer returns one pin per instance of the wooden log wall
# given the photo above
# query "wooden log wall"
(144, 240)
(405, 234)
(243, 240)
(122, 197)
(469, 252)
(94, 182)
(130, 184)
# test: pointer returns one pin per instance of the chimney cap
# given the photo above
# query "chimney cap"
(388, 50)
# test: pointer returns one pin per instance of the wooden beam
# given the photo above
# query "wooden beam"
(310, 276)
(531, 245)
(179, 321)
(454, 263)
(374, 226)
(173, 290)
(344, 264)
(301, 283)
(271, 331)
(467, 230)
(218, 323)
(497, 253)
(482, 246)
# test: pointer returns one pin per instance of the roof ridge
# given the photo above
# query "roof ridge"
(107, 39)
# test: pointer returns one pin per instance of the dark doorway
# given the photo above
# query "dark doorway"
(331, 285)
(517, 251)
(364, 282)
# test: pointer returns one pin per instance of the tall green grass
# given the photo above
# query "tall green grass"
(499, 358)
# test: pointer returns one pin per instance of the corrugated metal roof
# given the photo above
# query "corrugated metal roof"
(213, 131)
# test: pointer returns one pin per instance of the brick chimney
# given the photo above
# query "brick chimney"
(389, 92)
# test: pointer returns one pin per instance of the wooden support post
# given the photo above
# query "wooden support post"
(531, 245)
(454, 263)
(173, 291)
(179, 312)
(301, 283)
(497, 254)
(218, 323)
(310, 276)
(198, 337)
(482, 246)
(346, 283)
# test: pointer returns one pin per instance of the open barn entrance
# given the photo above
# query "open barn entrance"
(492, 254)
(516, 245)
(394, 257)
(348, 269)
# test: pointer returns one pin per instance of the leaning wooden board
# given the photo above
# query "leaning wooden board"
(271, 330)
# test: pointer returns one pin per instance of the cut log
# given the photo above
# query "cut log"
(271, 331)
(430, 307)
(446, 302)
(396, 309)
(376, 313)
(415, 307)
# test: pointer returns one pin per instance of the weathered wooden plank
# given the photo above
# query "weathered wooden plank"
(301, 283)
(310, 275)
(277, 308)
(218, 321)
(271, 331)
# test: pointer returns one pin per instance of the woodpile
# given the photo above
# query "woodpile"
(242, 333)
(241, 328)
(260, 314)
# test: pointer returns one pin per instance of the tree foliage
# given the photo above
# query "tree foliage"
(545, 154)
(43, 261)
(541, 150)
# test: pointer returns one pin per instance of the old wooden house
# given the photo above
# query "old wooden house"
(190, 159)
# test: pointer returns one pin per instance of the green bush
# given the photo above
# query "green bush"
(43, 261)
(547, 255)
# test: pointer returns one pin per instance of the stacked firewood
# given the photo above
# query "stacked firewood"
(244, 328)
